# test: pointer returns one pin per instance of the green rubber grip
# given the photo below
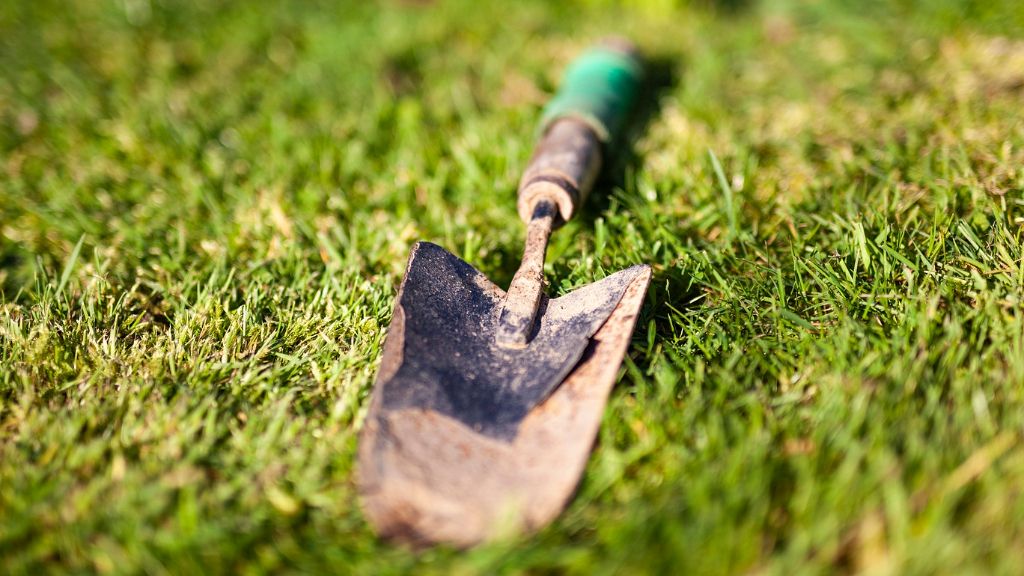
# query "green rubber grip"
(599, 88)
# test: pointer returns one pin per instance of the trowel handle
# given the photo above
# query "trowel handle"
(580, 124)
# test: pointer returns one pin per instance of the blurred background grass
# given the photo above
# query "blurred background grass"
(205, 209)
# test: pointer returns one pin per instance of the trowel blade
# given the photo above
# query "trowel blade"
(427, 477)
(441, 353)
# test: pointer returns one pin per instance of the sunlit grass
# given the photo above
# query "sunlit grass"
(205, 210)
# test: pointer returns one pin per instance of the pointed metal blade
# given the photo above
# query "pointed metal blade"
(427, 477)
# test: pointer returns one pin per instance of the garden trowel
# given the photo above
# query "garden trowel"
(487, 402)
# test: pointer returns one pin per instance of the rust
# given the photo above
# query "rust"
(518, 312)
(427, 478)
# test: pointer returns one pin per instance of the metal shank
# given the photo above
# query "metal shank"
(557, 180)
(516, 321)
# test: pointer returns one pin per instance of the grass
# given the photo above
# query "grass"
(205, 209)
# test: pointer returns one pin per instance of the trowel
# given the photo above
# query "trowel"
(487, 402)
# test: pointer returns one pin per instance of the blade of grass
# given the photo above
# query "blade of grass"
(730, 205)
(69, 266)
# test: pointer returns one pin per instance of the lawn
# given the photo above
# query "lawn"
(206, 208)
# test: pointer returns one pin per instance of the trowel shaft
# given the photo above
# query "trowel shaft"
(559, 177)
(579, 125)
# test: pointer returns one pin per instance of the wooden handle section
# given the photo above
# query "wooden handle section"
(562, 170)
(586, 115)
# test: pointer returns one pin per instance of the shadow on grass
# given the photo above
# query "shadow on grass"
(672, 289)
(623, 159)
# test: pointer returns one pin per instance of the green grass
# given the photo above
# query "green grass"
(205, 210)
